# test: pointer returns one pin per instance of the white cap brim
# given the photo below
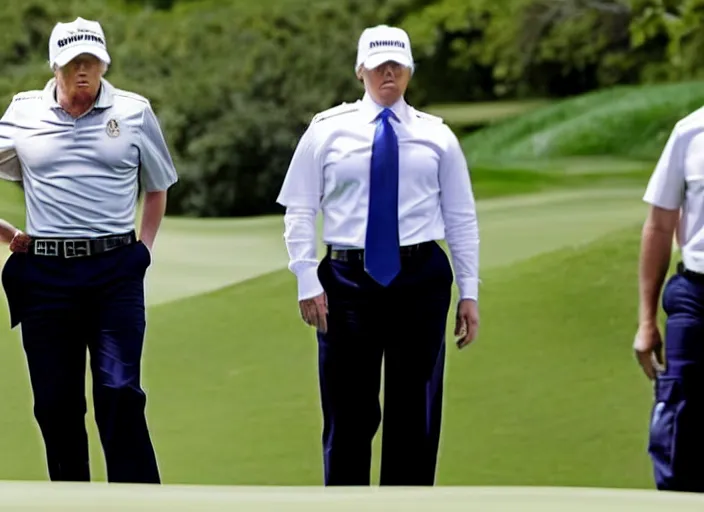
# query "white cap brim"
(377, 59)
(68, 55)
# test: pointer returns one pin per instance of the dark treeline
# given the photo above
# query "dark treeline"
(235, 82)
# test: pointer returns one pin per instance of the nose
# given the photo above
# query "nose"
(82, 65)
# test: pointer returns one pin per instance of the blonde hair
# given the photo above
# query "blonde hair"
(103, 68)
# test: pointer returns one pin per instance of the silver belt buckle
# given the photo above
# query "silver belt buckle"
(46, 247)
(76, 248)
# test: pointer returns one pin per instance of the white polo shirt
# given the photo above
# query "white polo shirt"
(678, 183)
(329, 172)
(80, 176)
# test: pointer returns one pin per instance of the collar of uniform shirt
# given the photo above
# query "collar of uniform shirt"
(104, 99)
(370, 109)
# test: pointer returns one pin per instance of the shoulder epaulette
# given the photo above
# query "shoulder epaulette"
(27, 95)
(428, 117)
(130, 95)
(344, 108)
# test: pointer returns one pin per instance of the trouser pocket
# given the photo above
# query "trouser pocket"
(675, 443)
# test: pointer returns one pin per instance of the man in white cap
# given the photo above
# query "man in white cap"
(75, 278)
(390, 182)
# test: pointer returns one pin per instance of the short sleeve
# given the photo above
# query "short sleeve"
(303, 183)
(666, 185)
(157, 168)
(10, 168)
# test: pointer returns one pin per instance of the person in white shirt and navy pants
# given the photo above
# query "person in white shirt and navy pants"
(390, 182)
(675, 194)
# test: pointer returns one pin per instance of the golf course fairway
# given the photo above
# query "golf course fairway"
(231, 373)
(547, 410)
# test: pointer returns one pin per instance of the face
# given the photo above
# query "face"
(387, 82)
(80, 78)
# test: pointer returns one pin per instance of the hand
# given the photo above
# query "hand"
(148, 245)
(467, 322)
(648, 349)
(20, 242)
(314, 312)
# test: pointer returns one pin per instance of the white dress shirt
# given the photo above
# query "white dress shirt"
(329, 172)
(678, 182)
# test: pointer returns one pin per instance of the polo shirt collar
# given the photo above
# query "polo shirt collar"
(104, 100)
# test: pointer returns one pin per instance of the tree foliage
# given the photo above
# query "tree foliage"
(518, 48)
(235, 82)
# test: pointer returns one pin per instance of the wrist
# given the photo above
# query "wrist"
(647, 322)
(14, 233)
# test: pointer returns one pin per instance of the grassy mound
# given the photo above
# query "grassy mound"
(626, 122)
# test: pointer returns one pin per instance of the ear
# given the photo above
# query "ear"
(360, 73)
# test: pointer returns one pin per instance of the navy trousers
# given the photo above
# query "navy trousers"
(67, 307)
(676, 442)
(402, 325)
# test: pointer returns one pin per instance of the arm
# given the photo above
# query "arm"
(462, 235)
(300, 239)
(665, 195)
(158, 175)
(152, 215)
(10, 168)
(300, 194)
(7, 231)
(655, 252)
(460, 218)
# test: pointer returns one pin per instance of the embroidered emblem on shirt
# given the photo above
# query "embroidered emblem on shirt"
(113, 128)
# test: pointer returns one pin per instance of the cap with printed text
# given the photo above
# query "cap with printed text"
(381, 44)
(69, 40)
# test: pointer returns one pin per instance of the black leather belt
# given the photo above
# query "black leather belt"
(358, 254)
(79, 247)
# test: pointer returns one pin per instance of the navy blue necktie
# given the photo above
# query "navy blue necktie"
(382, 259)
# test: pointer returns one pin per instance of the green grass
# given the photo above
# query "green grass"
(626, 122)
(553, 386)
(554, 389)
(548, 395)
(65, 497)
(499, 179)
(234, 398)
(231, 374)
(482, 113)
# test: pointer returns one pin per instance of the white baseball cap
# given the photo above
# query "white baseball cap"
(381, 44)
(69, 40)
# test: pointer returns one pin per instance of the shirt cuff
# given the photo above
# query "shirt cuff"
(469, 288)
(308, 283)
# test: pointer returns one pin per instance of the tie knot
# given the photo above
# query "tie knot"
(386, 114)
